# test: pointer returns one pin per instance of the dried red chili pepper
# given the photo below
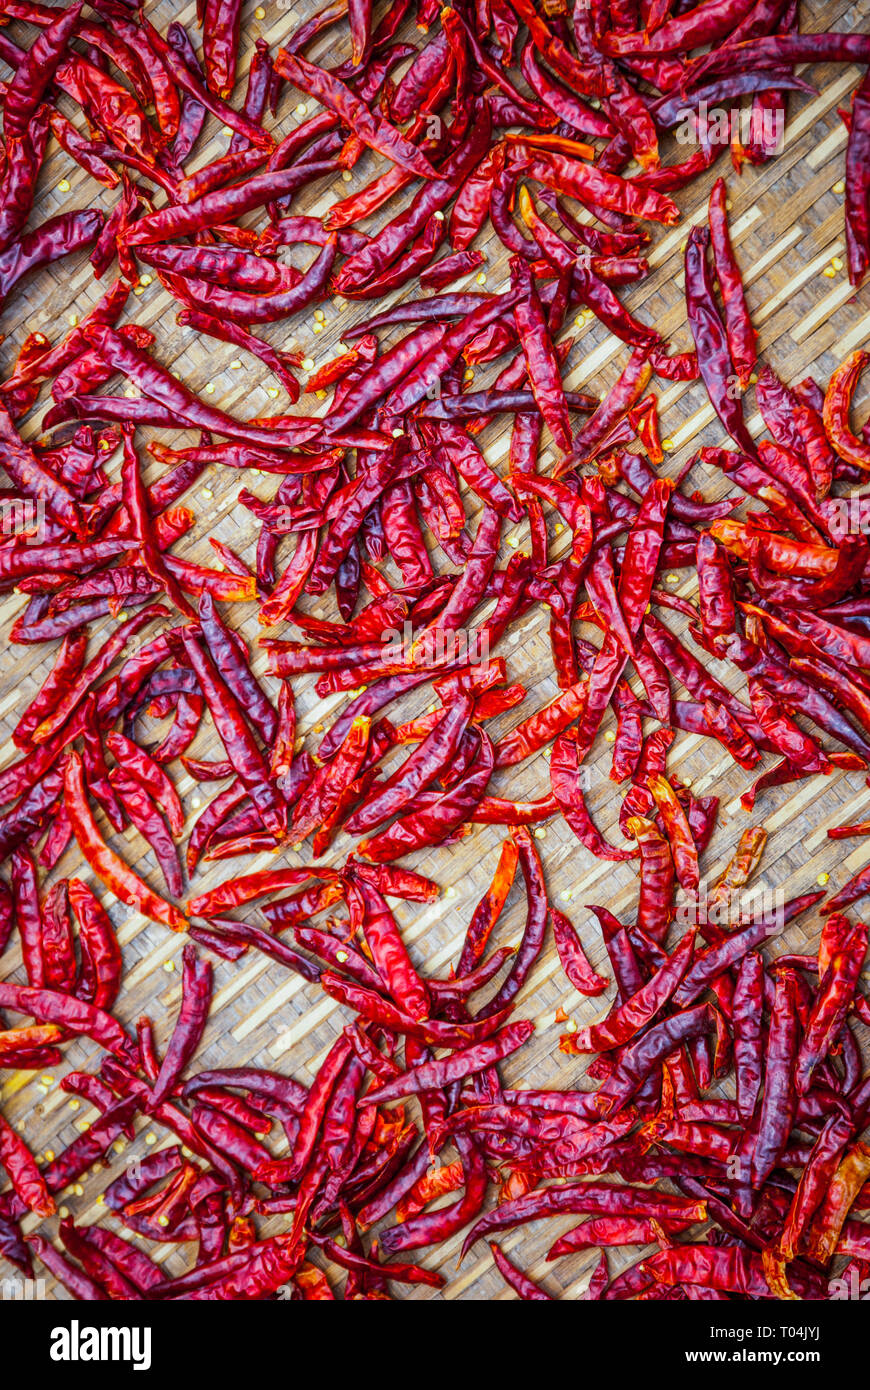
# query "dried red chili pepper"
(373, 130)
(741, 335)
(107, 865)
(836, 411)
(100, 978)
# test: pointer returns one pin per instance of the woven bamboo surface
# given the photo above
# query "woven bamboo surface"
(787, 225)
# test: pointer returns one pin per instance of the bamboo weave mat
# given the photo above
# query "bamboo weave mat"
(787, 227)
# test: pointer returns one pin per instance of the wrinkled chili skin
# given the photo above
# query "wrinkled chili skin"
(386, 464)
(857, 216)
(711, 343)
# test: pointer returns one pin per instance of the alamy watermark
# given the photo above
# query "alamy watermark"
(847, 516)
(852, 1287)
(23, 517)
(718, 125)
(14, 1290)
(733, 909)
(78, 1343)
(439, 644)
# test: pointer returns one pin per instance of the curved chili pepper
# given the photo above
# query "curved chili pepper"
(373, 130)
(108, 867)
(836, 988)
(836, 411)
(711, 342)
(75, 1015)
(567, 786)
(741, 335)
(240, 745)
(432, 824)
(36, 73)
(100, 978)
(573, 958)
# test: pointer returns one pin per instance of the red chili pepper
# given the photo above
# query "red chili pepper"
(373, 130)
(101, 965)
(518, 1281)
(711, 343)
(72, 1014)
(857, 218)
(107, 865)
(35, 74)
(779, 600)
(632, 1016)
(573, 958)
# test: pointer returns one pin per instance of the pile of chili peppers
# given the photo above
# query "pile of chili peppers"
(521, 120)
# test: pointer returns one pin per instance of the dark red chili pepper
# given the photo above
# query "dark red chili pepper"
(373, 130)
(72, 1014)
(106, 864)
(100, 978)
(573, 958)
(567, 786)
(857, 217)
(35, 74)
(711, 343)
